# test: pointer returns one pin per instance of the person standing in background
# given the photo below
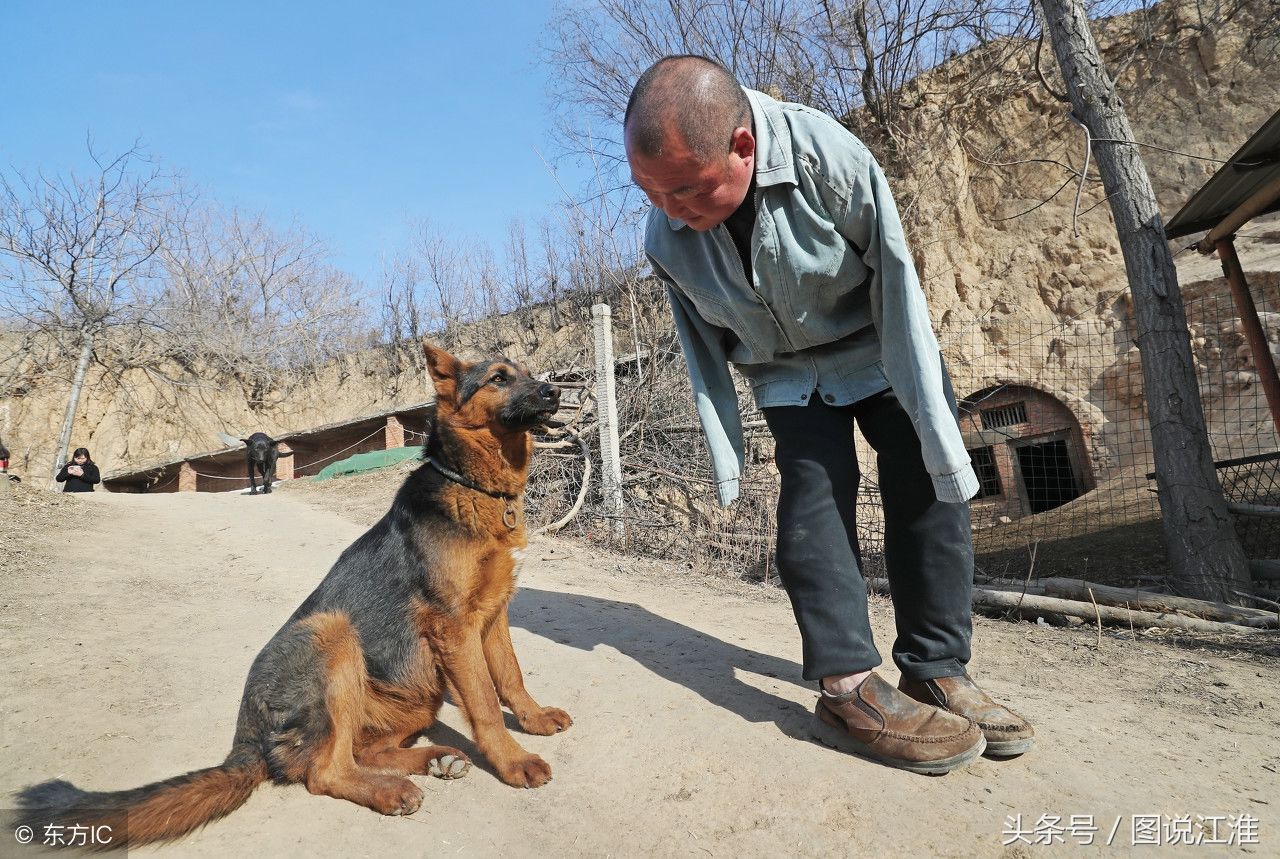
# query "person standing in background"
(80, 474)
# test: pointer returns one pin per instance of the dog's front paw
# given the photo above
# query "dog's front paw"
(548, 720)
(397, 796)
(528, 771)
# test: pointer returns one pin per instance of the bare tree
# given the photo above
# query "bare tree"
(83, 256)
(245, 301)
(551, 272)
(849, 58)
(1204, 551)
(519, 269)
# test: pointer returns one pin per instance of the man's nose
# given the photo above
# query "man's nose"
(666, 203)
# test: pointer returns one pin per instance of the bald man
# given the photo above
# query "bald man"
(777, 236)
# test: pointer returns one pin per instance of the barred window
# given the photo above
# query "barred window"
(1004, 416)
(984, 465)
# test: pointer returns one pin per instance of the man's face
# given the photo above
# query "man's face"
(700, 193)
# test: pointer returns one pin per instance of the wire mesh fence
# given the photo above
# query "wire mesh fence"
(1054, 420)
(1052, 413)
(1246, 446)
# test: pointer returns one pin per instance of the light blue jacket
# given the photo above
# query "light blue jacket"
(834, 305)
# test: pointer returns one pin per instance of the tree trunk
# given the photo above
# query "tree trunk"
(73, 401)
(1205, 557)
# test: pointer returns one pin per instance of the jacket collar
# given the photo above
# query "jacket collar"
(775, 161)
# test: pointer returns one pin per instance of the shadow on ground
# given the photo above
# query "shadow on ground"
(681, 654)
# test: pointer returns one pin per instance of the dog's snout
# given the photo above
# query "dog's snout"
(550, 393)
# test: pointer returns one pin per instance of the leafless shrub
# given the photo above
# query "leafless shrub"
(243, 301)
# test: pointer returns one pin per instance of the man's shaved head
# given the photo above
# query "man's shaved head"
(694, 96)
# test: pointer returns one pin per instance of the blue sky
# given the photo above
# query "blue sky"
(351, 119)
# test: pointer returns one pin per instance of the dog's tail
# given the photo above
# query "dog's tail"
(60, 814)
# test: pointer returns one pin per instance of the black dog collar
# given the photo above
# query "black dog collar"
(508, 515)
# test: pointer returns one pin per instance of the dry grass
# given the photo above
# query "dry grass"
(29, 518)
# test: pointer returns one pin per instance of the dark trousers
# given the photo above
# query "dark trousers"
(928, 545)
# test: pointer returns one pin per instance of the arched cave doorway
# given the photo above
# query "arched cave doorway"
(1028, 450)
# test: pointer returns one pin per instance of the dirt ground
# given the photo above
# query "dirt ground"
(128, 623)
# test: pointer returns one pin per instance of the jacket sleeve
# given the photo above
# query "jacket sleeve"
(91, 475)
(62, 475)
(909, 348)
(714, 395)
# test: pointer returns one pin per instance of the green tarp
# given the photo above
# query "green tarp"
(362, 462)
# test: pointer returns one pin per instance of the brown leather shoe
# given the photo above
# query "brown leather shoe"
(878, 722)
(1007, 733)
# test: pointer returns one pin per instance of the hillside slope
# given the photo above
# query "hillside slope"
(983, 158)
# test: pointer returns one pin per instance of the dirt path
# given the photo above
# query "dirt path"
(123, 650)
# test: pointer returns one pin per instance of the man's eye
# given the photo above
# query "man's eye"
(695, 194)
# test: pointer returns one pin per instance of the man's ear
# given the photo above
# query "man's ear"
(742, 143)
(445, 371)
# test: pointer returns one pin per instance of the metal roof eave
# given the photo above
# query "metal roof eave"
(1255, 164)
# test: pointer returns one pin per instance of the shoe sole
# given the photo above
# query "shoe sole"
(1008, 748)
(839, 739)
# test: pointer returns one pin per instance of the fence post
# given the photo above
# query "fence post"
(607, 401)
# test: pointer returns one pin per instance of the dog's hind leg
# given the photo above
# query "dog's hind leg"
(332, 769)
(388, 753)
(504, 669)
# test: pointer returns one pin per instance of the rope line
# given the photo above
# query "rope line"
(296, 467)
(344, 450)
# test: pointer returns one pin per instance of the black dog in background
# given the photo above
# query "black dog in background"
(261, 454)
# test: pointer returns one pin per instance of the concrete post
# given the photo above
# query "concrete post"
(394, 433)
(607, 402)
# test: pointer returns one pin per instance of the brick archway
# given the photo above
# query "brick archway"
(1029, 447)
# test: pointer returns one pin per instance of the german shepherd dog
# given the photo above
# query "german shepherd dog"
(416, 605)
(261, 452)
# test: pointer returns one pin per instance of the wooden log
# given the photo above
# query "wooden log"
(1076, 589)
(1265, 511)
(1258, 598)
(1108, 614)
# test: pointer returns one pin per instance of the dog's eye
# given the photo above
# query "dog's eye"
(498, 379)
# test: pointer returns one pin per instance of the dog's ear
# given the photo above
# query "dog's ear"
(445, 370)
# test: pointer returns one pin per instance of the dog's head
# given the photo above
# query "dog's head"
(260, 444)
(495, 393)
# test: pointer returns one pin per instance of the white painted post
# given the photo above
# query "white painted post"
(607, 402)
